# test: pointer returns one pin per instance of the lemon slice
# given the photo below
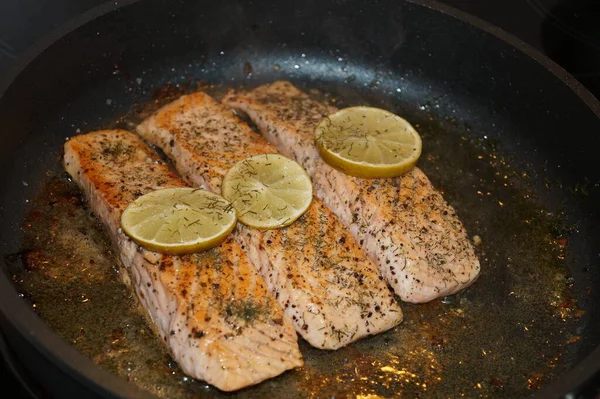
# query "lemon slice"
(368, 142)
(179, 220)
(268, 191)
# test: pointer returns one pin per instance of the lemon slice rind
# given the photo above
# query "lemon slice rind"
(179, 220)
(368, 142)
(268, 191)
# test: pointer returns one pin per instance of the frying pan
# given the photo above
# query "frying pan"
(460, 80)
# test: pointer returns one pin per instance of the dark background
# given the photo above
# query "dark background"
(562, 29)
(565, 30)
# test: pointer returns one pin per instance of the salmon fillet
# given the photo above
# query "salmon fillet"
(326, 285)
(211, 309)
(404, 224)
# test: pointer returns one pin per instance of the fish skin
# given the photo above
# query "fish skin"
(195, 303)
(403, 223)
(326, 285)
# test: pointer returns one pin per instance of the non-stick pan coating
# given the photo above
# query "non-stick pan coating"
(399, 55)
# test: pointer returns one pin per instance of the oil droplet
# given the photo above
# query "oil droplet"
(447, 300)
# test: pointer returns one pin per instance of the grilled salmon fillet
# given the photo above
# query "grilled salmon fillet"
(326, 285)
(404, 224)
(212, 309)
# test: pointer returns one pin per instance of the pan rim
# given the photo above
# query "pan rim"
(50, 345)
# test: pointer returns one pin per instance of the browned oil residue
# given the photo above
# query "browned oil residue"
(505, 336)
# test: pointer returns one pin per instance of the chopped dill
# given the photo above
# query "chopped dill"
(247, 311)
(116, 150)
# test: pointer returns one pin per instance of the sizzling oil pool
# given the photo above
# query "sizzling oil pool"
(505, 336)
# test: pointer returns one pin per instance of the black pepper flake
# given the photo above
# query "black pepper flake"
(199, 334)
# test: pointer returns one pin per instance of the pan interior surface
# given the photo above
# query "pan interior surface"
(509, 144)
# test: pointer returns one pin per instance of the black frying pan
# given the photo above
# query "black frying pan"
(487, 106)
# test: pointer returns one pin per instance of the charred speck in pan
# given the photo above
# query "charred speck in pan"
(506, 335)
(171, 91)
